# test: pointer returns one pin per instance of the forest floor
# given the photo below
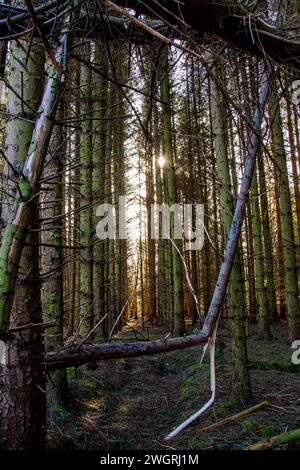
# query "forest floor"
(134, 403)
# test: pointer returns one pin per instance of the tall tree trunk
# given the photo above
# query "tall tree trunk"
(53, 259)
(263, 325)
(288, 240)
(279, 258)
(295, 174)
(240, 380)
(161, 274)
(179, 324)
(22, 377)
(99, 162)
(86, 212)
(268, 246)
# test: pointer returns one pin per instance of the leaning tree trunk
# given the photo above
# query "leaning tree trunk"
(240, 375)
(219, 295)
(22, 407)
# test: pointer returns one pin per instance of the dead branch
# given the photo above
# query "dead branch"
(236, 416)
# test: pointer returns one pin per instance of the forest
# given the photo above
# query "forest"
(150, 225)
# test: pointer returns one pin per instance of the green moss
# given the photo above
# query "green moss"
(187, 388)
(194, 441)
(71, 373)
(183, 356)
(123, 409)
(196, 367)
(269, 350)
(74, 373)
(63, 442)
(273, 364)
(90, 384)
(270, 431)
(192, 379)
(248, 423)
(219, 350)
(220, 412)
(62, 413)
(259, 338)
(25, 189)
(229, 404)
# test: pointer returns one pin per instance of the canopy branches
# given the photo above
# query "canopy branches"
(249, 30)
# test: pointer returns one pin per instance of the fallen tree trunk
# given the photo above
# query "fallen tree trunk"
(275, 441)
(73, 356)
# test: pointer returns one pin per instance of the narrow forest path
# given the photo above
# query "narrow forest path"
(134, 403)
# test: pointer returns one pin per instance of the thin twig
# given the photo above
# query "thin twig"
(91, 332)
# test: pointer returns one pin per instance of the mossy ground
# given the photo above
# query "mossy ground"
(134, 403)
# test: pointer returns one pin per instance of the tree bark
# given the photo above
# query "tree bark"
(18, 217)
(179, 325)
(263, 323)
(52, 260)
(22, 377)
(72, 356)
(98, 189)
(240, 382)
(267, 239)
(86, 210)
(288, 240)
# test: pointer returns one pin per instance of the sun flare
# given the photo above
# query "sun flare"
(161, 161)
